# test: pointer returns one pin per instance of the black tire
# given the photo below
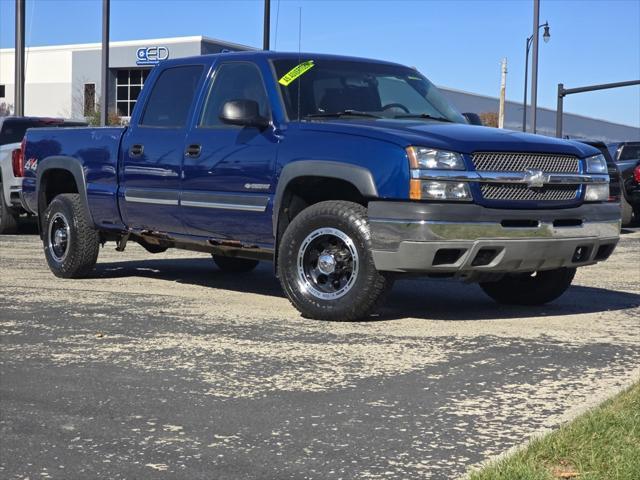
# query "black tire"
(530, 289)
(74, 252)
(234, 265)
(8, 217)
(627, 212)
(361, 294)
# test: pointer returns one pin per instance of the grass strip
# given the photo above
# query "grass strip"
(602, 444)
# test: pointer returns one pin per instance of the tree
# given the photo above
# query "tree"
(489, 119)
(112, 119)
(5, 109)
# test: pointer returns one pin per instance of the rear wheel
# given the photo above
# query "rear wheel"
(627, 212)
(8, 217)
(71, 244)
(535, 288)
(325, 263)
(234, 265)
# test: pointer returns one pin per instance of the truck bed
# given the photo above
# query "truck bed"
(97, 151)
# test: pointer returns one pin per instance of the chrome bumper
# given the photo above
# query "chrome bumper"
(463, 239)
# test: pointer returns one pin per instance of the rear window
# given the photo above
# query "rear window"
(13, 130)
(630, 152)
(171, 97)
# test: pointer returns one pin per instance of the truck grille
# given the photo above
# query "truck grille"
(519, 192)
(520, 162)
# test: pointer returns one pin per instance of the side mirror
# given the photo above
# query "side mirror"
(472, 118)
(245, 113)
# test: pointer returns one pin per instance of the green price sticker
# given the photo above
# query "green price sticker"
(295, 72)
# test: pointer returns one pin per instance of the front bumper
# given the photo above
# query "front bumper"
(470, 239)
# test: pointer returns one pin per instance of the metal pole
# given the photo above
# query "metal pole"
(526, 80)
(104, 89)
(19, 59)
(503, 88)
(563, 92)
(267, 24)
(559, 110)
(534, 65)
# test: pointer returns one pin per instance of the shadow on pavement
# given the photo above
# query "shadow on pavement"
(418, 298)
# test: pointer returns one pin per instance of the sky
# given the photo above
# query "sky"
(456, 43)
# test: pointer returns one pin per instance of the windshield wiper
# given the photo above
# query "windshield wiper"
(423, 115)
(343, 113)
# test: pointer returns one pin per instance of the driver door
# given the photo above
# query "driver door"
(228, 179)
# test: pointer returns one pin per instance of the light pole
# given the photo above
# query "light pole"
(545, 36)
(104, 76)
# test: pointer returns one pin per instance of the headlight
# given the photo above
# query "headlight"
(597, 193)
(432, 190)
(428, 158)
(596, 164)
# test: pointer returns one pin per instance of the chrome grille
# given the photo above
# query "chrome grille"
(520, 162)
(519, 192)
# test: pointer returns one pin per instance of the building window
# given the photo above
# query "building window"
(128, 87)
(2, 91)
(89, 99)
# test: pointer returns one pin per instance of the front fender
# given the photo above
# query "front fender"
(359, 177)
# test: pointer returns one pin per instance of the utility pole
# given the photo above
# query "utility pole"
(104, 90)
(534, 66)
(19, 60)
(503, 88)
(267, 24)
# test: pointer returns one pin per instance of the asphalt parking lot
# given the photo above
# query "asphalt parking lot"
(164, 367)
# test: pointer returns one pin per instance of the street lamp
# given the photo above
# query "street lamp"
(546, 36)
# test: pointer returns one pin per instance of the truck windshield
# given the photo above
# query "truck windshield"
(317, 88)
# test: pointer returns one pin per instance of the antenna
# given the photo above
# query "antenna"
(275, 40)
(299, 57)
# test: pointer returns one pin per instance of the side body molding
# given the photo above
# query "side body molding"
(360, 177)
(71, 165)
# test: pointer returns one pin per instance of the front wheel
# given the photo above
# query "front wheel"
(535, 288)
(325, 263)
(71, 244)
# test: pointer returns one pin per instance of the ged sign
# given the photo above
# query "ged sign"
(151, 55)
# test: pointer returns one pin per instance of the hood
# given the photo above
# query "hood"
(456, 137)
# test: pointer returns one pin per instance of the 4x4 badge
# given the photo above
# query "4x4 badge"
(535, 178)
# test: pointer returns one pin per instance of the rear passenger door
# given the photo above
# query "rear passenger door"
(228, 170)
(153, 148)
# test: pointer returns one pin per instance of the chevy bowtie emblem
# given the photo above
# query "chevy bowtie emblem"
(535, 178)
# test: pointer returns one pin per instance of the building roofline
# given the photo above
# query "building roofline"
(230, 44)
(551, 110)
(126, 43)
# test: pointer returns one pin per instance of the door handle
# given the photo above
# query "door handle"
(136, 150)
(193, 150)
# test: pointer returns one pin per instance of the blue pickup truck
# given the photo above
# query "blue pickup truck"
(345, 172)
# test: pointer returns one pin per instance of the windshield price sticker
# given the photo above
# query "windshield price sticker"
(295, 72)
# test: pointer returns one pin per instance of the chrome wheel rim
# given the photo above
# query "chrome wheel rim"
(58, 237)
(328, 264)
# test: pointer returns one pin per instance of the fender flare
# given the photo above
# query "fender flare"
(71, 165)
(359, 177)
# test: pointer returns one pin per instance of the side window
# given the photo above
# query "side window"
(234, 81)
(171, 97)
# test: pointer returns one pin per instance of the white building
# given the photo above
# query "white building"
(64, 81)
